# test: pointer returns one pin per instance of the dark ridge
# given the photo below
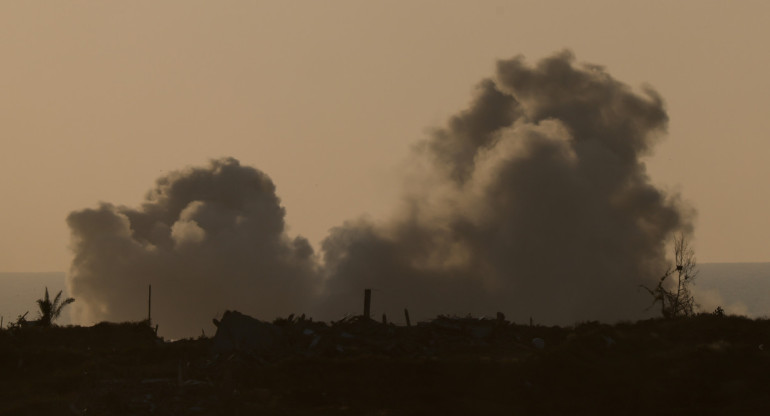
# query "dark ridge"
(707, 364)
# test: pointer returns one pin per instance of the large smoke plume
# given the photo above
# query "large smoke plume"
(534, 202)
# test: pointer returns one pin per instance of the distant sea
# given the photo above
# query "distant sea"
(739, 288)
(19, 291)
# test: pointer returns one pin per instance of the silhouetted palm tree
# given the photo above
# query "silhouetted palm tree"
(49, 311)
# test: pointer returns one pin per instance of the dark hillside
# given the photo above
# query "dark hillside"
(702, 365)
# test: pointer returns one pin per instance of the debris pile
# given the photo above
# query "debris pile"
(300, 336)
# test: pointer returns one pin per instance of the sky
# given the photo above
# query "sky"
(99, 99)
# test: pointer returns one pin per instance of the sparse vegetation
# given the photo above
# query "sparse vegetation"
(676, 300)
(21, 321)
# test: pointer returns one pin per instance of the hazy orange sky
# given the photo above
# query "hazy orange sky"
(328, 98)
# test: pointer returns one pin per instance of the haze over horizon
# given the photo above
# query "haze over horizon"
(738, 288)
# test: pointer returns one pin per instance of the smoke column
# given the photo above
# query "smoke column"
(534, 201)
(207, 239)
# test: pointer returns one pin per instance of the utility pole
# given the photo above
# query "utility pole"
(367, 303)
(149, 306)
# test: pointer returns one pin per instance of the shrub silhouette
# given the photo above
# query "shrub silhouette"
(677, 301)
(49, 311)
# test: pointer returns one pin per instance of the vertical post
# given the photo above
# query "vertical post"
(367, 302)
(406, 315)
(149, 306)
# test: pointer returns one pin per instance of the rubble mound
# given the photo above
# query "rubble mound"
(299, 336)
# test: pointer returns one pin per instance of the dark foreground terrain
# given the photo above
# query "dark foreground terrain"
(702, 365)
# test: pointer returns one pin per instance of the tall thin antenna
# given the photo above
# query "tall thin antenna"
(367, 303)
(149, 306)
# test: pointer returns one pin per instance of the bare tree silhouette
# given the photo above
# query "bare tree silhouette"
(677, 301)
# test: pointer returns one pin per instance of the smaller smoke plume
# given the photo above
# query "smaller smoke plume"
(206, 239)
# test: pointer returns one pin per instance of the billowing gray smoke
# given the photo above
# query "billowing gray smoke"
(207, 239)
(533, 202)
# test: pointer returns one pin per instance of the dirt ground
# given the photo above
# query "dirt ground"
(701, 365)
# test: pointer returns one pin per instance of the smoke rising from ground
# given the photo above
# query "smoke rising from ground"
(534, 201)
(207, 239)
